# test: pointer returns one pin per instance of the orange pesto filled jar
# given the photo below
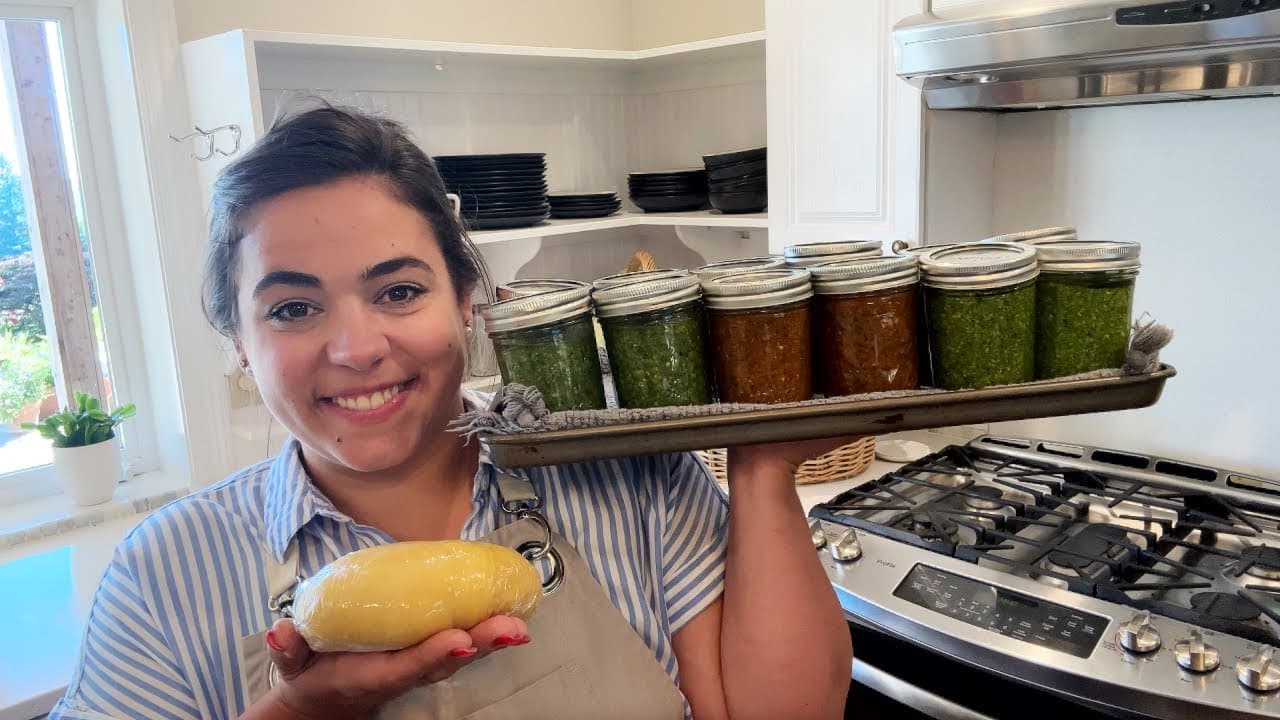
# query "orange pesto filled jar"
(867, 325)
(760, 335)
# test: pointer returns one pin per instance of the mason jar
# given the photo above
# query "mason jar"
(1084, 305)
(533, 286)
(980, 308)
(729, 267)
(760, 335)
(655, 337)
(812, 254)
(925, 363)
(867, 323)
(623, 278)
(548, 341)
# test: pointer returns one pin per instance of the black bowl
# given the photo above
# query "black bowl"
(670, 203)
(739, 202)
(739, 185)
(729, 172)
(734, 156)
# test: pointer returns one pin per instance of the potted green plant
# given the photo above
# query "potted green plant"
(86, 454)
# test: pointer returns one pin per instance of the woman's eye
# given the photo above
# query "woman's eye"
(290, 311)
(401, 294)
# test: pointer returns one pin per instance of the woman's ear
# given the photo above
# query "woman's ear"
(242, 360)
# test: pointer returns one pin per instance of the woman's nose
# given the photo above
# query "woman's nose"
(358, 341)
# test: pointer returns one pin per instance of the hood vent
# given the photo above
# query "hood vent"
(1039, 54)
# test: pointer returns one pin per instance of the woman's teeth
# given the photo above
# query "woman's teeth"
(368, 402)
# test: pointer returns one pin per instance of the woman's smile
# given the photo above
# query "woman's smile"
(367, 406)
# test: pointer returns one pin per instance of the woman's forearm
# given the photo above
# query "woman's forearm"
(785, 645)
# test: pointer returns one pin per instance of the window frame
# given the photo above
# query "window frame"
(102, 200)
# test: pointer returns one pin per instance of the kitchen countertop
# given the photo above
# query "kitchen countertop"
(49, 584)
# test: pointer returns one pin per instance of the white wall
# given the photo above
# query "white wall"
(557, 23)
(654, 23)
(1197, 184)
(604, 24)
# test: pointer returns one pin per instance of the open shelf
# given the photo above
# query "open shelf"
(311, 46)
(696, 218)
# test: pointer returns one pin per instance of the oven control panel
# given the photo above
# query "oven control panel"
(1001, 610)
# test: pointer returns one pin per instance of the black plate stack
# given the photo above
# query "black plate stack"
(584, 205)
(498, 191)
(738, 181)
(669, 190)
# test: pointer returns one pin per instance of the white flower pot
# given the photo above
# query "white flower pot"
(89, 474)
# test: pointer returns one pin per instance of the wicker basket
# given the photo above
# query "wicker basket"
(842, 463)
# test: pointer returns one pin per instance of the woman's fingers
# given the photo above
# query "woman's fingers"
(444, 653)
(360, 676)
(500, 632)
(289, 650)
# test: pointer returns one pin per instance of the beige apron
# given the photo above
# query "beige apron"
(585, 661)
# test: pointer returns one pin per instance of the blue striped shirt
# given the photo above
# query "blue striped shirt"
(189, 582)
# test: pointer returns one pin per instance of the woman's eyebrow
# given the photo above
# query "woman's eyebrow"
(285, 277)
(387, 267)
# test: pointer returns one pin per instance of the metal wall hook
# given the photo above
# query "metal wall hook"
(206, 138)
(209, 137)
(235, 138)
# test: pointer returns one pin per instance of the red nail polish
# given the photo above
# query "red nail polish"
(506, 640)
(273, 643)
(462, 652)
(523, 640)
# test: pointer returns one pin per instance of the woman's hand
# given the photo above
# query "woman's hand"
(779, 459)
(318, 686)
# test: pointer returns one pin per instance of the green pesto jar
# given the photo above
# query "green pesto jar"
(980, 310)
(655, 337)
(1084, 305)
(547, 340)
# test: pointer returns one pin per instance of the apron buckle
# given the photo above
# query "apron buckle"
(533, 550)
(282, 605)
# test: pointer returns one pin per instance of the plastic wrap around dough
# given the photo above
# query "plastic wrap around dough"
(392, 596)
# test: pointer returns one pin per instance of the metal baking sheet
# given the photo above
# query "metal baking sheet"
(1050, 398)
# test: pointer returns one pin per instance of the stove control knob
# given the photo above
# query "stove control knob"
(1195, 654)
(846, 548)
(817, 534)
(1260, 671)
(1137, 635)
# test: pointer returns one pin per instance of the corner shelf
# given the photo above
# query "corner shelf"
(309, 46)
(696, 218)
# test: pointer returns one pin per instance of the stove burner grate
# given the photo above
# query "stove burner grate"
(1225, 606)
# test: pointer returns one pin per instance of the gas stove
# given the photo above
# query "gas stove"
(1133, 585)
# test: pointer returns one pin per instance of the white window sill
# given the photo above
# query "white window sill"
(56, 515)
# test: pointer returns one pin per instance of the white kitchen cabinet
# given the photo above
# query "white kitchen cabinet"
(597, 114)
(844, 131)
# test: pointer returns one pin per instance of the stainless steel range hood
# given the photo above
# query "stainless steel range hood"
(1037, 54)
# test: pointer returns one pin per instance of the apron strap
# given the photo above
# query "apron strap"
(520, 499)
(516, 493)
(282, 580)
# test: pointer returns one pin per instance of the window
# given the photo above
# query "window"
(55, 331)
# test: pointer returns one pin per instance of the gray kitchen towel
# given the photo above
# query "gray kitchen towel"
(521, 409)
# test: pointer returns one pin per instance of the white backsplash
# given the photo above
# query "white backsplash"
(1198, 184)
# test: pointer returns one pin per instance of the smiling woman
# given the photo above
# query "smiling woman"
(345, 284)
